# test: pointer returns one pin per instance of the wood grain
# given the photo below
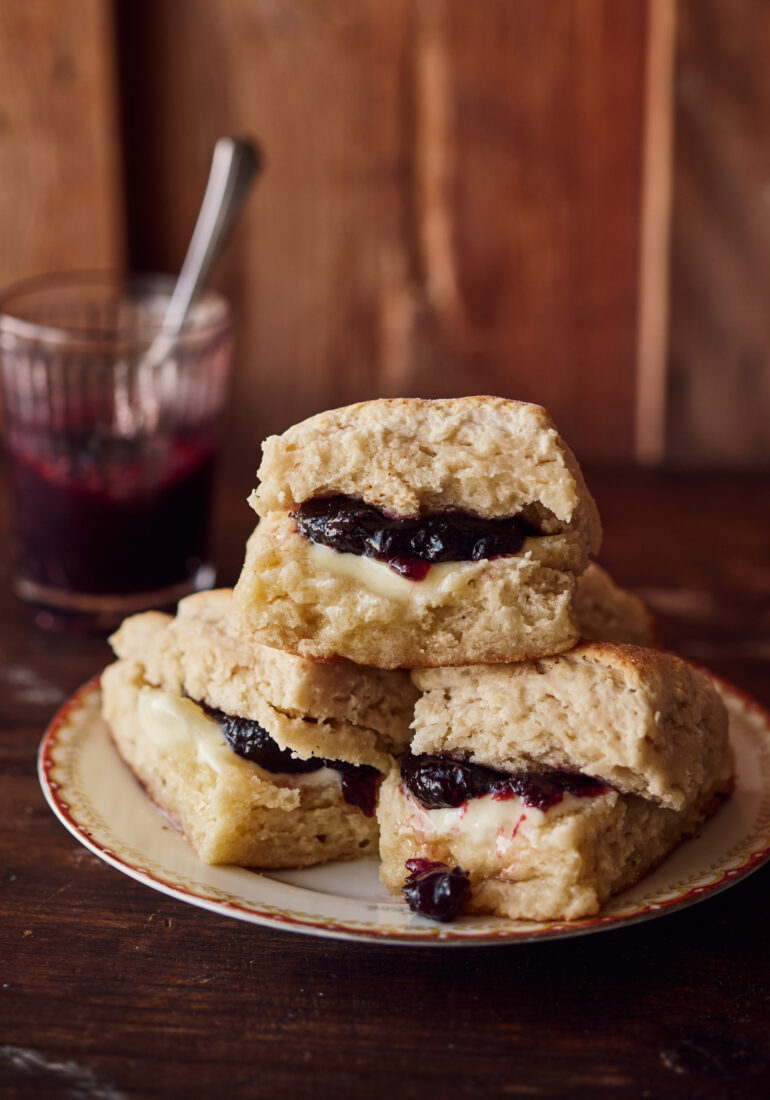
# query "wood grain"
(719, 375)
(451, 203)
(655, 235)
(60, 188)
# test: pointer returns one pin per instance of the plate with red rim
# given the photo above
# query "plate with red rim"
(96, 797)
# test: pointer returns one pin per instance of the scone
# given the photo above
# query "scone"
(606, 612)
(538, 790)
(261, 758)
(414, 533)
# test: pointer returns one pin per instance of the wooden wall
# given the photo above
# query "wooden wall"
(60, 180)
(719, 393)
(450, 204)
(458, 198)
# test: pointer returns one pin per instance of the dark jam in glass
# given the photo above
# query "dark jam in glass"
(97, 514)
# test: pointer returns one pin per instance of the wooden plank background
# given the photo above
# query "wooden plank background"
(452, 204)
(60, 183)
(719, 376)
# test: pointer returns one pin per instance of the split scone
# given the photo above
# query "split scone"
(261, 758)
(537, 790)
(607, 612)
(418, 533)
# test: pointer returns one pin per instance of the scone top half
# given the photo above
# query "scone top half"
(341, 710)
(410, 457)
(645, 722)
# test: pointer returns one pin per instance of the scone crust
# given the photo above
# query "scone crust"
(607, 612)
(411, 456)
(235, 815)
(644, 721)
(353, 709)
(501, 609)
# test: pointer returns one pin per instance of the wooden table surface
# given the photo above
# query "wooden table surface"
(109, 989)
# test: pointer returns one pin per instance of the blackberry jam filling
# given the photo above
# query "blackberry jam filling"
(442, 781)
(408, 545)
(360, 783)
(435, 890)
(248, 739)
(251, 741)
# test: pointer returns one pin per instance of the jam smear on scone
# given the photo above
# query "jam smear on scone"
(442, 781)
(250, 740)
(409, 545)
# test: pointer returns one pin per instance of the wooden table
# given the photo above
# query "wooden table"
(109, 989)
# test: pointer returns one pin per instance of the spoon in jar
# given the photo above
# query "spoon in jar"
(234, 166)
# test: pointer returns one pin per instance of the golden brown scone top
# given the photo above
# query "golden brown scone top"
(409, 456)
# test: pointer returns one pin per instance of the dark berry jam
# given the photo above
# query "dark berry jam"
(248, 739)
(408, 545)
(107, 516)
(442, 781)
(251, 741)
(360, 783)
(434, 890)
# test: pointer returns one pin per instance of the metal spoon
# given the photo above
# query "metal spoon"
(234, 166)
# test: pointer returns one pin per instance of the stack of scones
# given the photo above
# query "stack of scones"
(421, 659)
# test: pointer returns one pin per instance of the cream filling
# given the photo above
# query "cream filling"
(485, 824)
(180, 729)
(378, 578)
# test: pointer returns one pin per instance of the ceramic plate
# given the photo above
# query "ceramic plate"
(97, 799)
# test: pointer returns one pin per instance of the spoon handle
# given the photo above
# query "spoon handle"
(235, 163)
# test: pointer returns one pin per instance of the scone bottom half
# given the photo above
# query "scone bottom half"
(435, 886)
(545, 847)
(410, 533)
